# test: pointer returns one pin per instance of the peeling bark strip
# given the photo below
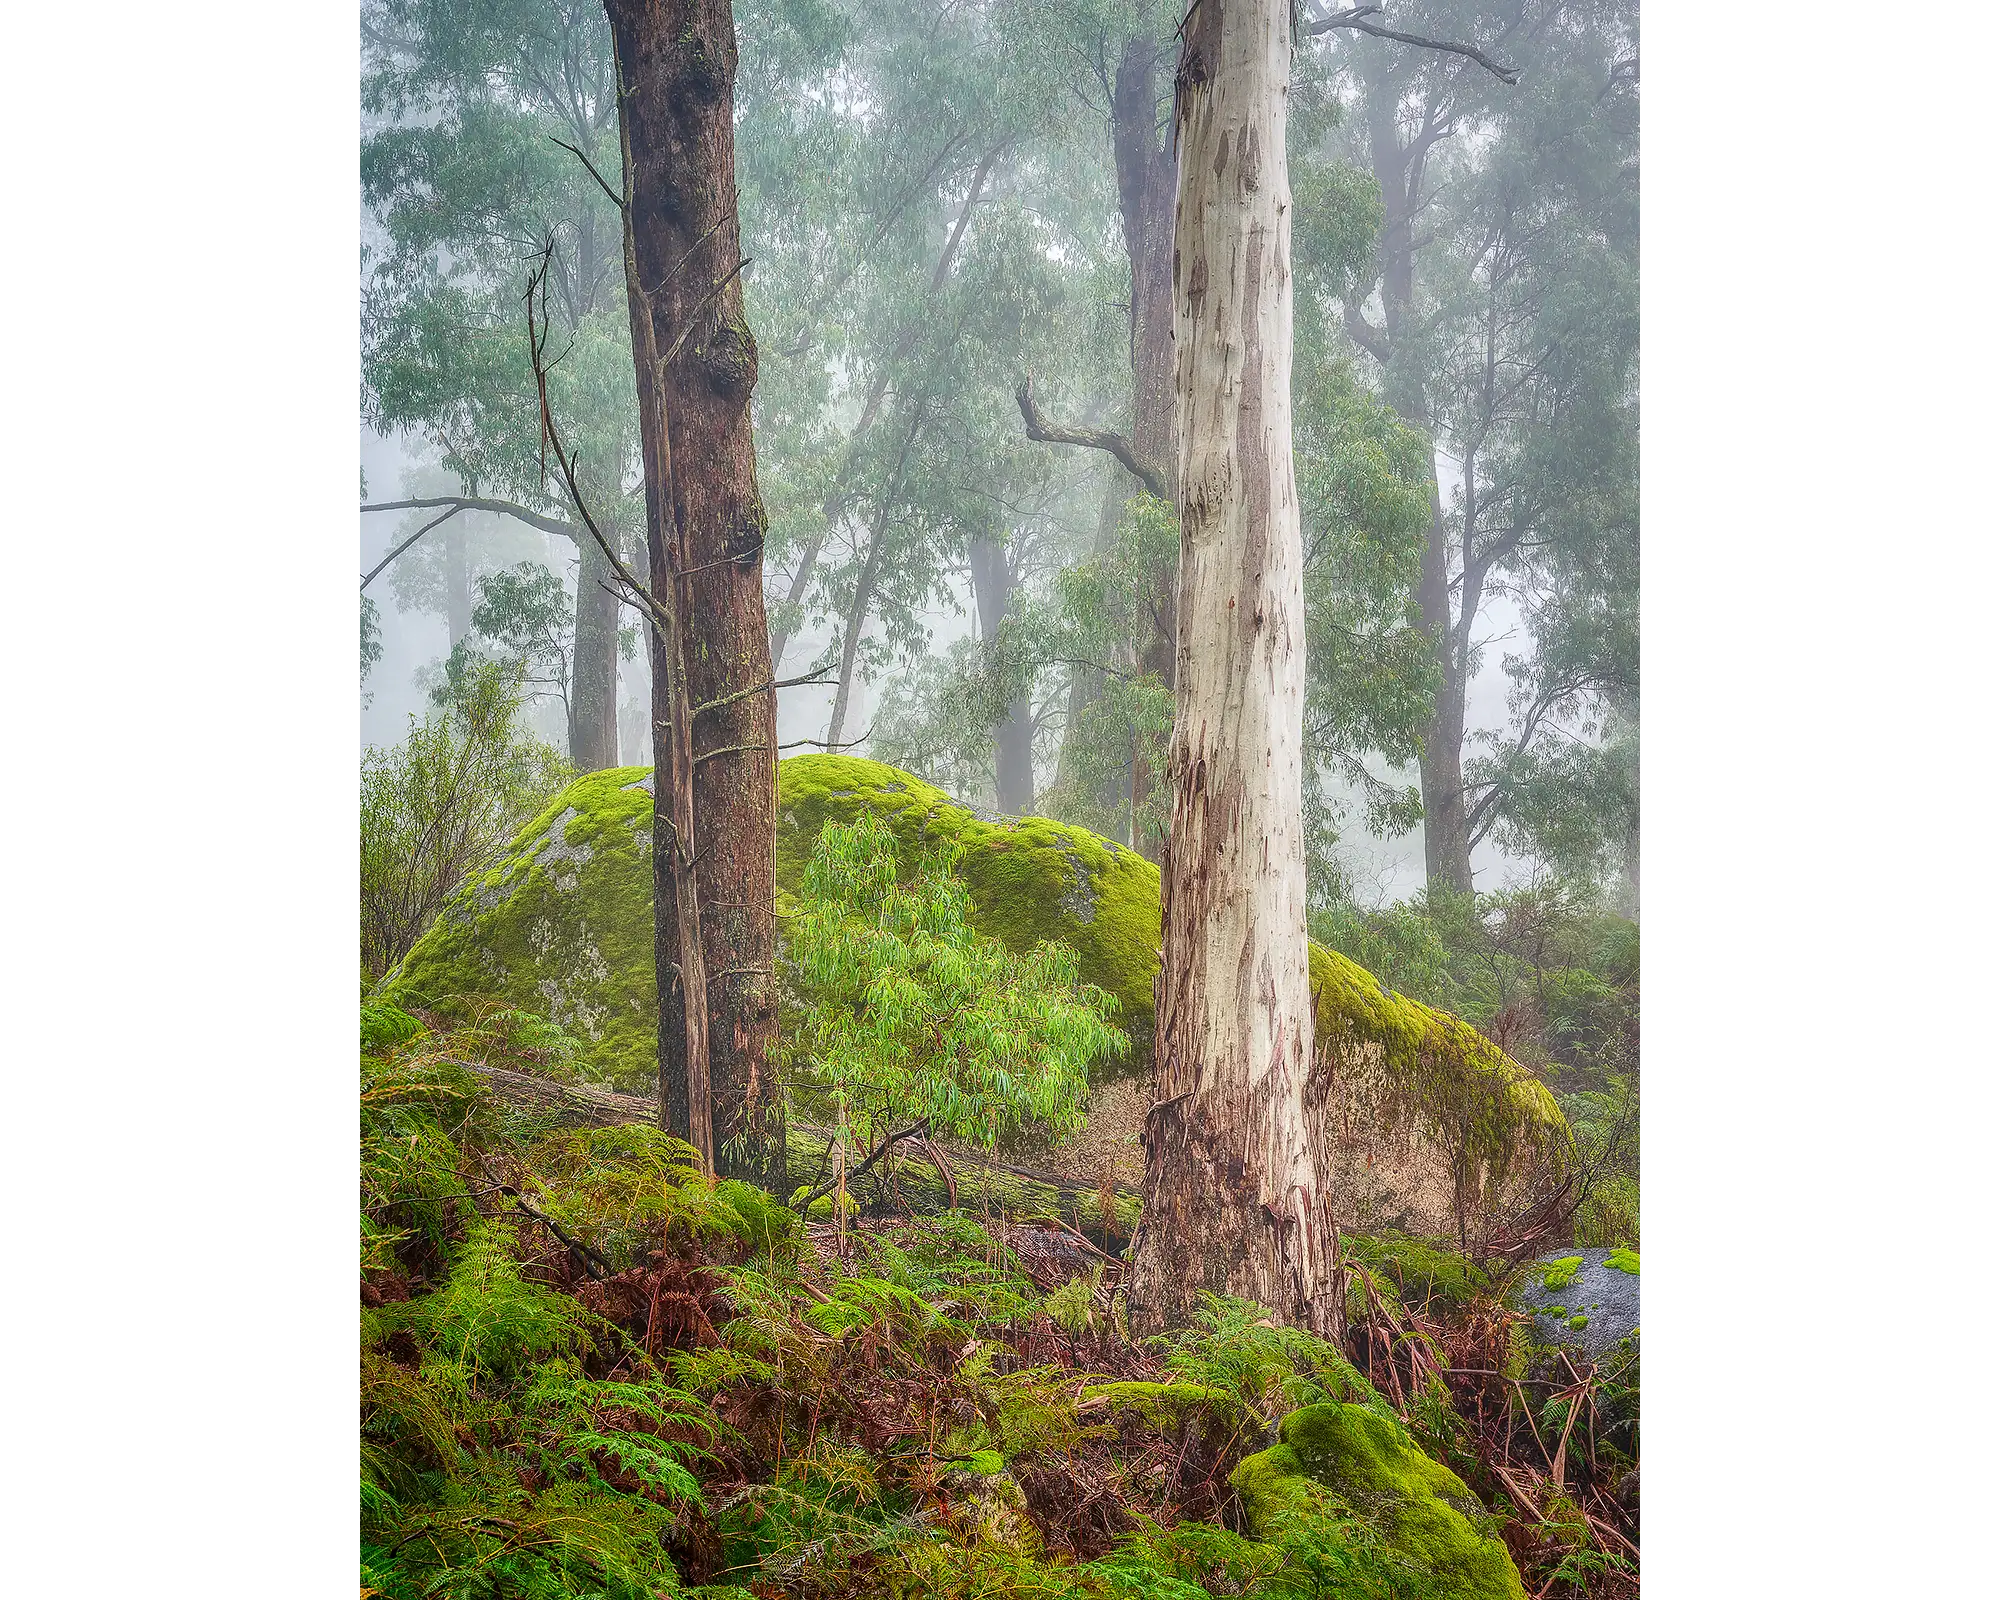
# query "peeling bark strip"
(677, 73)
(1231, 1199)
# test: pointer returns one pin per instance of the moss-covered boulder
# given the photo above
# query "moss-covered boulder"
(562, 924)
(1365, 1461)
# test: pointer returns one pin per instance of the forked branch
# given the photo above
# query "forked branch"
(1355, 19)
(1043, 431)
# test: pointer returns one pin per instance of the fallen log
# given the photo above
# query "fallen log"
(911, 1183)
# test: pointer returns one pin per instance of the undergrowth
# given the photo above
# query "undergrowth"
(587, 1369)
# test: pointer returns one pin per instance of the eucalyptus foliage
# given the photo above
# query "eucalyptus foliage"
(905, 1014)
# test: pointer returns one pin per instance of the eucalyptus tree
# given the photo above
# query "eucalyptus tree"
(1233, 1195)
(481, 115)
(1117, 59)
(695, 361)
(1501, 316)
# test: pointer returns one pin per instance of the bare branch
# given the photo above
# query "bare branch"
(820, 744)
(760, 688)
(1043, 431)
(1364, 333)
(612, 194)
(473, 502)
(566, 461)
(1355, 18)
(376, 572)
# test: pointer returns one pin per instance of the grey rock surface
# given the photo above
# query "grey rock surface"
(1606, 1296)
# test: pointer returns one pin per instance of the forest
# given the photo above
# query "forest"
(999, 799)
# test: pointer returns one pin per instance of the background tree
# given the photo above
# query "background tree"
(952, 239)
(465, 177)
(1502, 319)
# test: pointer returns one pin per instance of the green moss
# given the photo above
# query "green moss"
(1622, 1260)
(1432, 1068)
(562, 925)
(1579, 1322)
(984, 1464)
(1423, 1510)
(1560, 1272)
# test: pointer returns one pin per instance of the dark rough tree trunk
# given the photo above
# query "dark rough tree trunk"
(677, 71)
(593, 693)
(1232, 1197)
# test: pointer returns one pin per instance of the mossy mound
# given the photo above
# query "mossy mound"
(1183, 1413)
(562, 925)
(1423, 1511)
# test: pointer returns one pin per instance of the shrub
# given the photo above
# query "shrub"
(440, 805)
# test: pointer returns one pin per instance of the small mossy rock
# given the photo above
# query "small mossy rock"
(985, 1506)
(1600, 1286)
(1424, 1512)
(562, 925)
(1178, 1412)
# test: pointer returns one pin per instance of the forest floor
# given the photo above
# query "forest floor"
(589, 1369)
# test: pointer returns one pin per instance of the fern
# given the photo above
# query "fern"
(1235, 1346)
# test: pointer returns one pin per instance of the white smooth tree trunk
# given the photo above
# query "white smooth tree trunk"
(1231, 1202)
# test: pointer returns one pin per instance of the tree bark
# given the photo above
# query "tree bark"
(457, 582)
(677, 72)
(1232, 1202)
(857, 619)
(993, 586)
(593, 719)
